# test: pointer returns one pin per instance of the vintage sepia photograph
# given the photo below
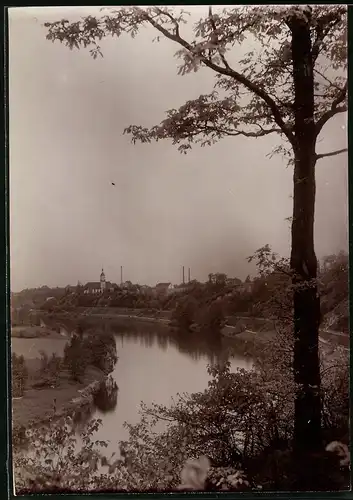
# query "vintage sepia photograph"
(178, 193)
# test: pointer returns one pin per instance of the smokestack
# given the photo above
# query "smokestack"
(183, 275)
(121, 275)
(189, 275)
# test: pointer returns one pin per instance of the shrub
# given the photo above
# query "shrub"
(184, 312)
(335, 398)
(64, 465)
(210, 316)
(243, 421)
(19, 375)
(75, 358)
(50, 367)
(100, 350)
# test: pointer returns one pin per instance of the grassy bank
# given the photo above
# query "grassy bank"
(56, 383)
(40, 403)
(250, 344)
(32, 332)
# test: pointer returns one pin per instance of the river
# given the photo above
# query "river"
(153, 366)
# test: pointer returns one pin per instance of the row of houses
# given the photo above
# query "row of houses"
(101, 286)
(169, 288)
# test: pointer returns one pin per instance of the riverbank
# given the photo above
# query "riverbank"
(34, 332)
(248, 331)
(52, 388)
(39, 405)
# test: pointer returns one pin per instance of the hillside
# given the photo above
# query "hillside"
(268, 298)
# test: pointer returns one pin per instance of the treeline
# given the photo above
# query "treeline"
(208, 304)
(96, 348)
(33, 297)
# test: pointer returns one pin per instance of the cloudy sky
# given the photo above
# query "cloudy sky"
(207, 210)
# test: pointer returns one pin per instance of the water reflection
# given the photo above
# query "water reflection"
(106, 398)
(194, 344)
(150, 335)
(154, 365)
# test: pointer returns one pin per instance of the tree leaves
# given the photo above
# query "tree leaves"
(265, 71)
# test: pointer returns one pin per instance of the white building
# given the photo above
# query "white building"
(97, 287)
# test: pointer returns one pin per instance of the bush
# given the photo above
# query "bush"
(184, 312)
(50, 367)
(242, 421)
(75, 357)
(210, 316)
(100, 350)
(96, 349)
(335, 399)
(19, 375)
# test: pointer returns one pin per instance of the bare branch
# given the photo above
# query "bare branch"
(227, 71)
(332, 84)
(332, 153)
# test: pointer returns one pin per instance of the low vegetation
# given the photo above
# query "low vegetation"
(96, 348)
(19, 375)
(50, 370)
(209, 304)
(242, 422)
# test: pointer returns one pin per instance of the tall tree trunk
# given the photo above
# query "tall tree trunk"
(307, 425)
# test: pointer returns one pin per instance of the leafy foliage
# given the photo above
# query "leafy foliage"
(243, 101)
(19, 375)
(75, 357)
(184, 312)
(97, 348)
(50, 368)
(245, 415)
(242, 421)
(210, 316)
(54, 462)
(100, 350)
(333, 280)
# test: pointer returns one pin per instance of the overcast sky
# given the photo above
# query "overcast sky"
(207, 210)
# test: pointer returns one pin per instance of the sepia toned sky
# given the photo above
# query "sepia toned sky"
(207, 210)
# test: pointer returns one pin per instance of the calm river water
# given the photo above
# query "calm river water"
(153, 366)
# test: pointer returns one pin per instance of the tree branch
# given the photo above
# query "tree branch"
(329, 20)
(174, 21)
(261, 133)
(332, 153)
(332, 84)
(213, 25)
(335, 108)
(227, 71)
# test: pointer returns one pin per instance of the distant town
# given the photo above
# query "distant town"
(165, 288)
(104, 286)
(105, 293)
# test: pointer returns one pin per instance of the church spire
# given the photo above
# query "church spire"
(102, 280)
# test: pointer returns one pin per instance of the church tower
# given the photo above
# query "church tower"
(102, 280)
